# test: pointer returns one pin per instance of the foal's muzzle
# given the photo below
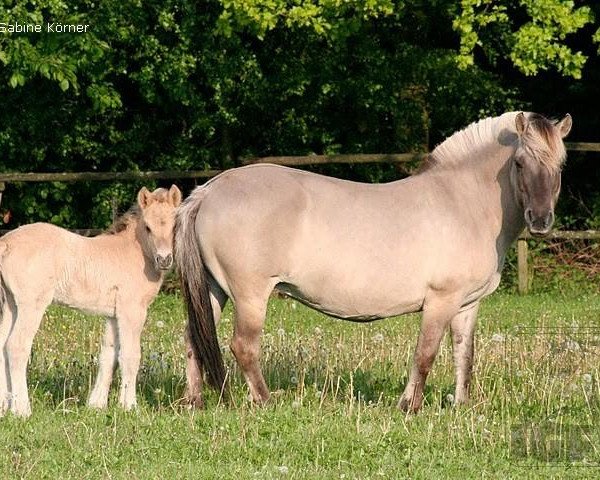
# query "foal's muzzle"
(539, 225)
(164, 262)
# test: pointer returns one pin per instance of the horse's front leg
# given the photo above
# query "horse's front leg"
(107, 362)
(437, 313)
(462, 327)
(130, 324)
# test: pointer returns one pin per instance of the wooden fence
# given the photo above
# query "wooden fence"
(399, 158)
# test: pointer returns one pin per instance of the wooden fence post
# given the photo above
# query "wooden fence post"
(522, 270)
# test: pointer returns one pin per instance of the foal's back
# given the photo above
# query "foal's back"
(43, 263)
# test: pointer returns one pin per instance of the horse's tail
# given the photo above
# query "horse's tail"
(194, 285)
(3, 250)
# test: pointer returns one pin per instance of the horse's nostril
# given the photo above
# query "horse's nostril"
(529, 216)
(549, 219)
(169, 259)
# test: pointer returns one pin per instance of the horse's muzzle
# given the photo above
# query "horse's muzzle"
(164, 262)
(539, 225)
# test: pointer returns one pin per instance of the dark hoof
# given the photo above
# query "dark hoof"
(409, 406)
(194, 402)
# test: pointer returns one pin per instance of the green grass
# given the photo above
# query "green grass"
(534, 411)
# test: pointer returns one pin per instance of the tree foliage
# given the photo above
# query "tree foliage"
(191, 85)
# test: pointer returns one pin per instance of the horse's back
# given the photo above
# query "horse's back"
(346, 248)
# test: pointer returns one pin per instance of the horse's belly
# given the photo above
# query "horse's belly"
(349, 302)
(97, 301)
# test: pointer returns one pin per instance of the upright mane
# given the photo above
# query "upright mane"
(541, 140)
(130, 217)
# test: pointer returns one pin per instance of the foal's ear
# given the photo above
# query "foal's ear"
(175, 195)
(564, 126)
(144, 198)
(520, 123)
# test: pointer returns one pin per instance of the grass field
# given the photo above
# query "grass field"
(535, 408)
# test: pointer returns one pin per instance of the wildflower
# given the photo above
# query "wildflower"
(378, 338)
(294, 305)
(281, 332)
(450, 398)
(498, 337)
(283, 469)
(295, 404)
(587, 378)
(160, 324)
(294, 380)
(318, 332)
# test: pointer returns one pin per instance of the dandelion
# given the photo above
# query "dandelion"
(378, 338)
(450, 398)
(294, 305)
(225, 320)
(283, 470)
(318, 332)
(160, 324)
(295, 404)
(498, 337)
(572, 346)
(281, 332)
(294, 380)
(587, 378)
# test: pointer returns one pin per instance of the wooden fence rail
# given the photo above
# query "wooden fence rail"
(522, 247)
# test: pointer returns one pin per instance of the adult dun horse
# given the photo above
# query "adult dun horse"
(116, 274)
(434, 242)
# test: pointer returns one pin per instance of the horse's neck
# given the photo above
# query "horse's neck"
(128, 238)
(481, 181)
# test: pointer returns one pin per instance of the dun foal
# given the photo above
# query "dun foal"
(116, 274)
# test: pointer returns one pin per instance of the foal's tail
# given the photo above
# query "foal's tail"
(194, 285)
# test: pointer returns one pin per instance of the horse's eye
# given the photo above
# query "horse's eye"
(148, 229)
(518, 163)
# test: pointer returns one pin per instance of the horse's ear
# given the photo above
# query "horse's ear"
(175, 195)
(564, 126)
(520, 123)
(144, 198)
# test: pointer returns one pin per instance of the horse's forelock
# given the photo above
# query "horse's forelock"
(544, 143)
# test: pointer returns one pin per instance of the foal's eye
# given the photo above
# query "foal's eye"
(148, 229)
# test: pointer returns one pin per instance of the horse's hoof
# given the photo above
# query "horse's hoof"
(409, 405)
(194, 403)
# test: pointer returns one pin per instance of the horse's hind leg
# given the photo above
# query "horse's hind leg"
(462, 327)
(193, 372)
(245, 345)
(6, 323)
(437, 313)
(18, 350)
(107, 361)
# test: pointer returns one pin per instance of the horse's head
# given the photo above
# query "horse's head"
(536, 168)
(157, 221)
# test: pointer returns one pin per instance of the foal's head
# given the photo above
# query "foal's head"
(156, 223)
(536, 168)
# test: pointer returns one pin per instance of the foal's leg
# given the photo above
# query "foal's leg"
(437, 313)
(18, 350)
(193, 372)
(245, 345)
(130, 322)
(6, 323)
(462, 327)
(107, 361)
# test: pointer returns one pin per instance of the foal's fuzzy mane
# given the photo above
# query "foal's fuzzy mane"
(541, 140)
(131, 216)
